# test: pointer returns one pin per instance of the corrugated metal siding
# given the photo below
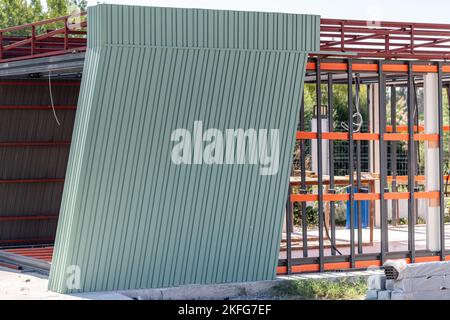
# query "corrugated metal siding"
(20, 201)
(130, 218)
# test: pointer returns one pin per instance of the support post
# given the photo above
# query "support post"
(374, 150)
(394, 154)
(411, 166)
(320, 164)
(384, 245)
(331, 164)
(432, 174)
(351, 162)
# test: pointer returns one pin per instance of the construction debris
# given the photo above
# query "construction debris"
(402, 281)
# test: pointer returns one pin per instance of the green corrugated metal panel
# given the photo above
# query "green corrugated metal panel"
(130, 218)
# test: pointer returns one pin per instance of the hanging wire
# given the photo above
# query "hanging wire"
(357, 116)
(51, 97)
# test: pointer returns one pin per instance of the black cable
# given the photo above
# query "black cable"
(357, 89)
(331, 242)
(416, 118)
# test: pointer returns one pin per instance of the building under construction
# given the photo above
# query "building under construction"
(363, 113)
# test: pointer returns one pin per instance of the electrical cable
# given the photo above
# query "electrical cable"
(51, 98)
(328, 235)
(447, 165)
(416, 118)
(328, 232)
(357, 119)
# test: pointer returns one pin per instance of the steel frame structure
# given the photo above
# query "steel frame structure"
(379, 50)
(375, 72)
(386, 40)
(363, 39)
(45, 38)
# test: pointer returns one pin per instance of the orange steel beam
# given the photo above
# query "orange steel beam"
(400, 180)
(303, 135)
(404, 179)
(328, 197)
(313, 267)
(370, 136)
(421, 128)
(373, 67)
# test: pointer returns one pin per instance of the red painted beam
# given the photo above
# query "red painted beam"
(34, 144)
(39, 180)
(37, 107)
(26, 218)
(39, 83)
(32, 240)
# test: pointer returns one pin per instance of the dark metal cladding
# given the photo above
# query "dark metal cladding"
(34, 151)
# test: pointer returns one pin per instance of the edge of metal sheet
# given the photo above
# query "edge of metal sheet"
(65, 63)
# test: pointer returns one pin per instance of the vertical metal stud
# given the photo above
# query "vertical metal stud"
(441, 163)
(289, 227)
(383, 167)
(350, 163)
(394, 152)
(358, 188)
(416, 148)
(303, 180)
(319, 162)
(411, 165)
(331, 164)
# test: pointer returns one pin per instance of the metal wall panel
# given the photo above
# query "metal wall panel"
(130, 218)
(29, 206)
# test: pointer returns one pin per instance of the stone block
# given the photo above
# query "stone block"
(372, 295)
(384, 295)
(432, 283)
(390, 284)
(376, 282)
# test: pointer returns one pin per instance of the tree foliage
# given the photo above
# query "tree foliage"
(19, 12)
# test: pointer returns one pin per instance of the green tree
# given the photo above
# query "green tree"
(37, 11)
(79, 4)
(14, 13)
(57, 8)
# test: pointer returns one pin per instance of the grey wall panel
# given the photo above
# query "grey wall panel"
(130, 218)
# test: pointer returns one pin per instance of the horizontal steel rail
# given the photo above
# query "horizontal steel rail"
(365, 39)
(61, 35)
(385, 40)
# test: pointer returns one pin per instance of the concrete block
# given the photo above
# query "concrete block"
(376, 282)
(372, 295)
(398, 265)
(390, 284)
(395, 295)
(421, 295)
(447, 281)
(420, 270)
(433, 283)
(432, 295)
(384, 295)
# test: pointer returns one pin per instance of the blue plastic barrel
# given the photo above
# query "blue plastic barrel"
(364, 212)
